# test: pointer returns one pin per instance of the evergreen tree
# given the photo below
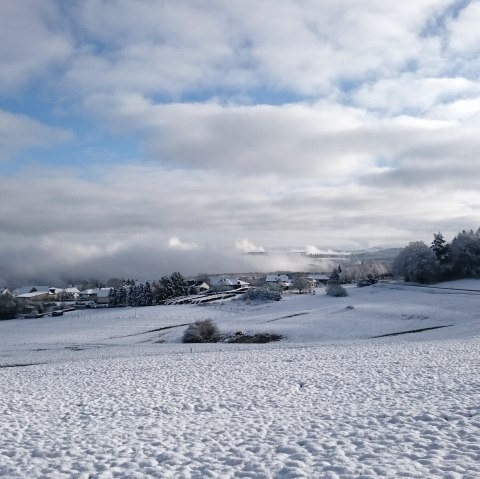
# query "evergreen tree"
(334, 277)
(121, 297)
(334, 288)
(179, 283)
(168, 288)
(112, 298)
(134, 295)
(147, 296)
(441, 248)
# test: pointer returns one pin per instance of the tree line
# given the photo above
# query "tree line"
(440, 261)
(148, 294)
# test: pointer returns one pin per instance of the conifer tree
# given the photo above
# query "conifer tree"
(440, 247)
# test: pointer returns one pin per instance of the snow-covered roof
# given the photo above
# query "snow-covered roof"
(277, 278)
(32, 295)
(54, 290)
(233, 282)
(31, 289)
(218, 280)
(72, 290)
(99, 292)
(319, 277)
(195, 282)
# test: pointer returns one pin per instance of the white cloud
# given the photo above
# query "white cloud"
(32, 42)
(465, 111)
(307, 48)
(176, 243)
(464, 35)
(313, 250)
(322, 140)
(246, 246)
(18, 132)
(409, 93)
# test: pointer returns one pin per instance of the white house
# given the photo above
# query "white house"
(198, 285)
(98, 295)
(232, 282)
(35, 297)
(319, 278)
(277, 278)
(31, 289)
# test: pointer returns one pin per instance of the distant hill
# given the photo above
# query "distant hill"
(374, 254)
(371, 254)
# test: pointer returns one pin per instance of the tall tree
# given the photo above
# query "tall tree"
(440, 247)
(465, 254)
(179, 284)
(417, 262)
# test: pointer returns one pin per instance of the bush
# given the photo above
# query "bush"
(201, 332)
(258, 338)
(8, 306)
(366, 282)
(336, 290)
(263, 294)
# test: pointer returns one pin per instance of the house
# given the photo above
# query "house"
(97, 295)
(35, 297)
(231, 282)
(319, 278)
(277, 278)
(282, 280)
(198, 286)
(31, 289)
(64, 294)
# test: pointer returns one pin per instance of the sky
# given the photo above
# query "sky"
(140, 137)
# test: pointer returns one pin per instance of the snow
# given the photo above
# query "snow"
(108, 393)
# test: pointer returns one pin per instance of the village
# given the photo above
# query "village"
(35, 301)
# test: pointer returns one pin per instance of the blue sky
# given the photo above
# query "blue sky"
(139, 137)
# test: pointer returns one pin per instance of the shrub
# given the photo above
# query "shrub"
(263, 294)
(201, 332)
(258, 338)
(336, 290)
(366, 282)
(8, 306)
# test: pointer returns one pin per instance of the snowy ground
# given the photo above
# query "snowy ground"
(109, 393)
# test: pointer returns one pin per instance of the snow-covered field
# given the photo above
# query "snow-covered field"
(113, 393)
